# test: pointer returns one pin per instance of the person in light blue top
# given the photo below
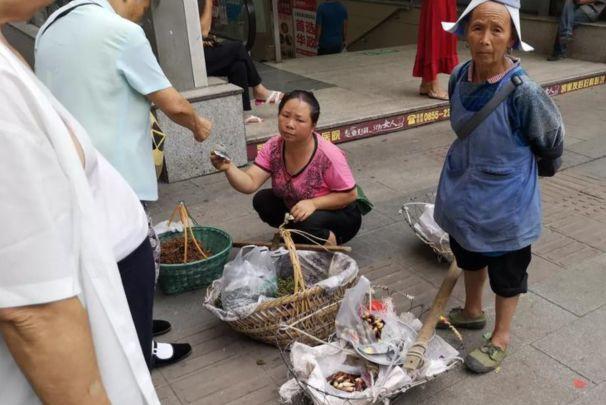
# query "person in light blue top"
(98, 63)
(488, 198)
(101, 67)
(331, 27)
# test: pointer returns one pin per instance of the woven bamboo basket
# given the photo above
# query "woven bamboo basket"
(267, 323)
(307, 316)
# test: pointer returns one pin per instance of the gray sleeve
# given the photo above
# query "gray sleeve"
(539, 120)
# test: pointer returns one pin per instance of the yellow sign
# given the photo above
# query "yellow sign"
(582, 84)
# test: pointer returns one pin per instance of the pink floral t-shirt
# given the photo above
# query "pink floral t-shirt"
(326, 172)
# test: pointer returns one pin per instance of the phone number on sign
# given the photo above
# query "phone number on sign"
(427, 117)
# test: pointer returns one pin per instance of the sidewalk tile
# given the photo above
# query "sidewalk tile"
(226, 381)
(579, 290)
(167, 396)
(527, 377)
(537, 317)
(580, 345)
(593, 396)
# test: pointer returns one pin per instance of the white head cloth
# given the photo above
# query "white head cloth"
(513, 7)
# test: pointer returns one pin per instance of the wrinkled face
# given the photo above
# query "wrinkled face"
(20, 10)
(136, 9)
(294, 121)
(489, 33)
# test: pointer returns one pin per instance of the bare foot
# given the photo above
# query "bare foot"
(260, 92)
(435, 91)
(332, 240)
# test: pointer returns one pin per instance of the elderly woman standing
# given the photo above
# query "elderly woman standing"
(488, 197)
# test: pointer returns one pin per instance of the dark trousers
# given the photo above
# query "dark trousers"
(138, 274)
(572, 16)
(329, 50)
(231, 59)
(344, 223)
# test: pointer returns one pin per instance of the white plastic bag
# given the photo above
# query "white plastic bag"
(165, 226)
(250, 276)
(314, 365)
(428, 227)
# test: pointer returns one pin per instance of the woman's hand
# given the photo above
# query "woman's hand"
(302, 210)
(202, 129)
(219, 163)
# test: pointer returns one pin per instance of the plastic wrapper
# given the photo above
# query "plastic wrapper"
(249, 277)
(325, 269)
(314, 365)
(351, 326)
(165, 226)
(428, 227)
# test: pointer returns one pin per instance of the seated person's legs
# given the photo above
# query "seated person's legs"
(271, 209)
(237, 75)
(343, 224)
(571, 17)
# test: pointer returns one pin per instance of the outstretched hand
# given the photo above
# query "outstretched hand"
(219, 163)
(202, 129)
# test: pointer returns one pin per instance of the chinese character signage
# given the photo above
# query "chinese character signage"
(287, 37)
(304, 19)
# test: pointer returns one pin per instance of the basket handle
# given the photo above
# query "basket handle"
(186, 220)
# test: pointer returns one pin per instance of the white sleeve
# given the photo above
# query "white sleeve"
(37, 242)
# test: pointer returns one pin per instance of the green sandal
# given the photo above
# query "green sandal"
(485, 359)
(459, 320)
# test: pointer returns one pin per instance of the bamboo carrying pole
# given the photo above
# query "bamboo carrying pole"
(415, 357)
(299, 246)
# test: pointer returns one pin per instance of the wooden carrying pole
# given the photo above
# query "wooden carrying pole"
(299, 246)
(415, 357)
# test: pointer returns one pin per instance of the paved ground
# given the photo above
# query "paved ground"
(559, 328)
(378, 82)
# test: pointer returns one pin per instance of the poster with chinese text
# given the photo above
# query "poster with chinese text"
(304, 19)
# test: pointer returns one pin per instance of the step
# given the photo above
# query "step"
(369, 93)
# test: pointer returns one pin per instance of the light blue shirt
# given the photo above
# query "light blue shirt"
(100, 66)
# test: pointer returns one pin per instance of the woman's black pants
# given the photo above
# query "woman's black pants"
(231, 59)
(344, 223)
(138, 274)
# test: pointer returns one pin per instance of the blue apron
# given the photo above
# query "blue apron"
(488, 197)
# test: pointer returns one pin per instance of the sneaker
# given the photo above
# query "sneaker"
(160, 327)
(165, 354)
(458, 319)
(485, 359)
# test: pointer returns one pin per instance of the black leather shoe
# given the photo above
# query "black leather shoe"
(179, 352)
(160, 327)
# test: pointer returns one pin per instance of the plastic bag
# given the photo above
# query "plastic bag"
(428, 227)
(165, 227)
(250, 276)
(382, 336)
(314, 365)
(326, 270)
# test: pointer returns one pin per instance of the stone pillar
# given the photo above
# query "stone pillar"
(175, 26)
(174, 30)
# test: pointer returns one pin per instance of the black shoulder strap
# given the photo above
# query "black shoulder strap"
(463, 131)
(64, 13)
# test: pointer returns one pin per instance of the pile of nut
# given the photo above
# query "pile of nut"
(347, 382)
(377, 324)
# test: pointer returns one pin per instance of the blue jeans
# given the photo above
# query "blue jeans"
(572, 16)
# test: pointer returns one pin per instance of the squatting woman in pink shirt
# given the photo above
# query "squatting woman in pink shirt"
(310, 177)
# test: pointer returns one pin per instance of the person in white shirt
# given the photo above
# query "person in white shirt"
(99, 64)
(66, 334)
